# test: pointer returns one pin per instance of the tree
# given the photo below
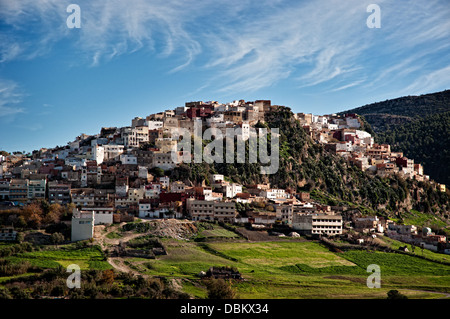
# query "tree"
(53, 215)
(220, 289)
(108, 276)
(395, 294)
(20, 237)
(158, 172)
(4, 294)
(57, 238)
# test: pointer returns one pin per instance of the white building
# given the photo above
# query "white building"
(284, 213)
(36, 188)
(128, 159)
(82, 227)
(121, 190)
(164, 181)
(101, 215)
(216, 118)
(143, 172)
(274, 193)
(129, 137)
(352, 122)
(332, 127)
(153, 190)
(232, 189)
(163, 161)
(317, 224)
(154, 125)
(145, 209)
(8, 234)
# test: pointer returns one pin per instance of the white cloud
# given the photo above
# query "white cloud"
(248, 45)
(430, 82)
(347, 86)
(10, 97)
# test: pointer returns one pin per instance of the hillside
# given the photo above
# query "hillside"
(306, 166)
(383, 115)
(418, 126)
(427, 141)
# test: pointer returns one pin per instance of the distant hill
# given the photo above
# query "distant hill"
(427, 141)
(384, 115)
(418, 126)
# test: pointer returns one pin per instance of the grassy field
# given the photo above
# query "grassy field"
(213, 231)
(419, 219)
(302, 269)
(270, 269)
(86, 258)
(395, 244)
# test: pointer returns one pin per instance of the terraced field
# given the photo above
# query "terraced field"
(299, 269)
(282, 268)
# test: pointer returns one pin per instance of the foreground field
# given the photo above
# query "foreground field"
(298, 269)
(282, 268)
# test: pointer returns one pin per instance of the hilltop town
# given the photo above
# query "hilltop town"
(121, 174)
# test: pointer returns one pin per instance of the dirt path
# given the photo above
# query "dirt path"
(445, 295)
(119, 264)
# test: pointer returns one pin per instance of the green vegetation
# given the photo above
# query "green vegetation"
(397, 264)
(95, 284)
(419, 219)
(272, 269)
(212, 231)
(426, 140)
(114, 235)
(85, 257)
(138, 227)
(418, 126)
(286, 269)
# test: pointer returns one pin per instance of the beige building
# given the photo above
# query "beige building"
(163, 161)
(318, 224)
(211, 210)
(36, 188)
(284, 213)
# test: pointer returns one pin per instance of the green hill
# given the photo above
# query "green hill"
(418, 126)
(427, 141)
(386, 114)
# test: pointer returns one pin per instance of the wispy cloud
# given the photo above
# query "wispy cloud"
(347, 86)
(430, 82)
(10, 97)
(247, 44)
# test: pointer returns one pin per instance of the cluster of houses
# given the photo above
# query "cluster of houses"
(122, 172)
(343, 135)
(423, 238)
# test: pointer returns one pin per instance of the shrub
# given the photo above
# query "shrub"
(219, 289)
(395, 294)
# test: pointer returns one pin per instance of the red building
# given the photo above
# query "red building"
(172, 197)
(199, 111)
(401, 161)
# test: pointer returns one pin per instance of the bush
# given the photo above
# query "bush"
(220, 289)
(4, 293)
(395, 294)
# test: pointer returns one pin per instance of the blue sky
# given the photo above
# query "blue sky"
(137, 57)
